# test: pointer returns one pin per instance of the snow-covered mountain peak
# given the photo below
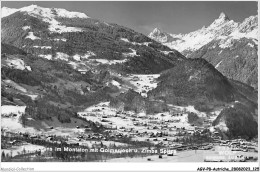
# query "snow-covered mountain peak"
(155, 32)
(248, 24)
(221, 29)
(158, 35)
(49, 15)
(44, 12)
(7, 11)
(222, 19)
(223, 16)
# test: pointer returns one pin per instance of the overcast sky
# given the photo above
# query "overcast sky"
(173, 17)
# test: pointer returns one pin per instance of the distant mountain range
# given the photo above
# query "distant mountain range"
(222, 29)
(230, 46)
(58, 62)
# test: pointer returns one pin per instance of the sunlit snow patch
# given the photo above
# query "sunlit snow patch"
(15, 85)
(166, 52)
(110, 62)
(62, 39)
(251, 45)
(42, 47)
(31, 36)
(136, 43)
(49, 15)
(17, 64)
(47, 56)
(190, 109)
(132, 54)
(62, 56)
(13, 123)
(78, 57)
(26, 27)
(218, 64)
(8, 109)
(144, 83)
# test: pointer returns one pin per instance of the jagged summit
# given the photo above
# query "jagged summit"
(156, 32)
(220, 28)
(159, 35)
(223, 16)
(222, 19)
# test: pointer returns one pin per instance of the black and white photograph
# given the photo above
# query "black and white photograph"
(130, 82)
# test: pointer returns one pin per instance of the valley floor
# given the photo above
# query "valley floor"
(184, 156)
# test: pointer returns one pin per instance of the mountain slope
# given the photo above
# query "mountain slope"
(193, 81)
(196, 83)
(231, 47)
(83, 41)
(240, 121)
(238, 61)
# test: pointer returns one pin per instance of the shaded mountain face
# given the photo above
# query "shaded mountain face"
(82, 41)
(191, 82)
(8, 49)
(231, 47)
(239, 119)
(196, 82)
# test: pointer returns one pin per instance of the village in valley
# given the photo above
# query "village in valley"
(75, 88)
(113, 128)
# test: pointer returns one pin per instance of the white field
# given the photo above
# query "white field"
(188, 109)
(132, 54)
(78, 57)
(17, 63)
(8, 109)
(29, 148)
(13, 124)
(143, 83)
(251, 45)
(135, 43)
(46, 56)
(26, 27)
(32, 36)
(109, 62)
(42, 47)
(48, 15)
(18, 87)
(89, 143)
(183, 156)
(166, 52)
(14, 85)
(62, 39)
(46, 12)
(62, 56)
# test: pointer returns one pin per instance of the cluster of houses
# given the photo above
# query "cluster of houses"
(154, 129)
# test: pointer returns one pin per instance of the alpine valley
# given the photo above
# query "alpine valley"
(70, 79)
